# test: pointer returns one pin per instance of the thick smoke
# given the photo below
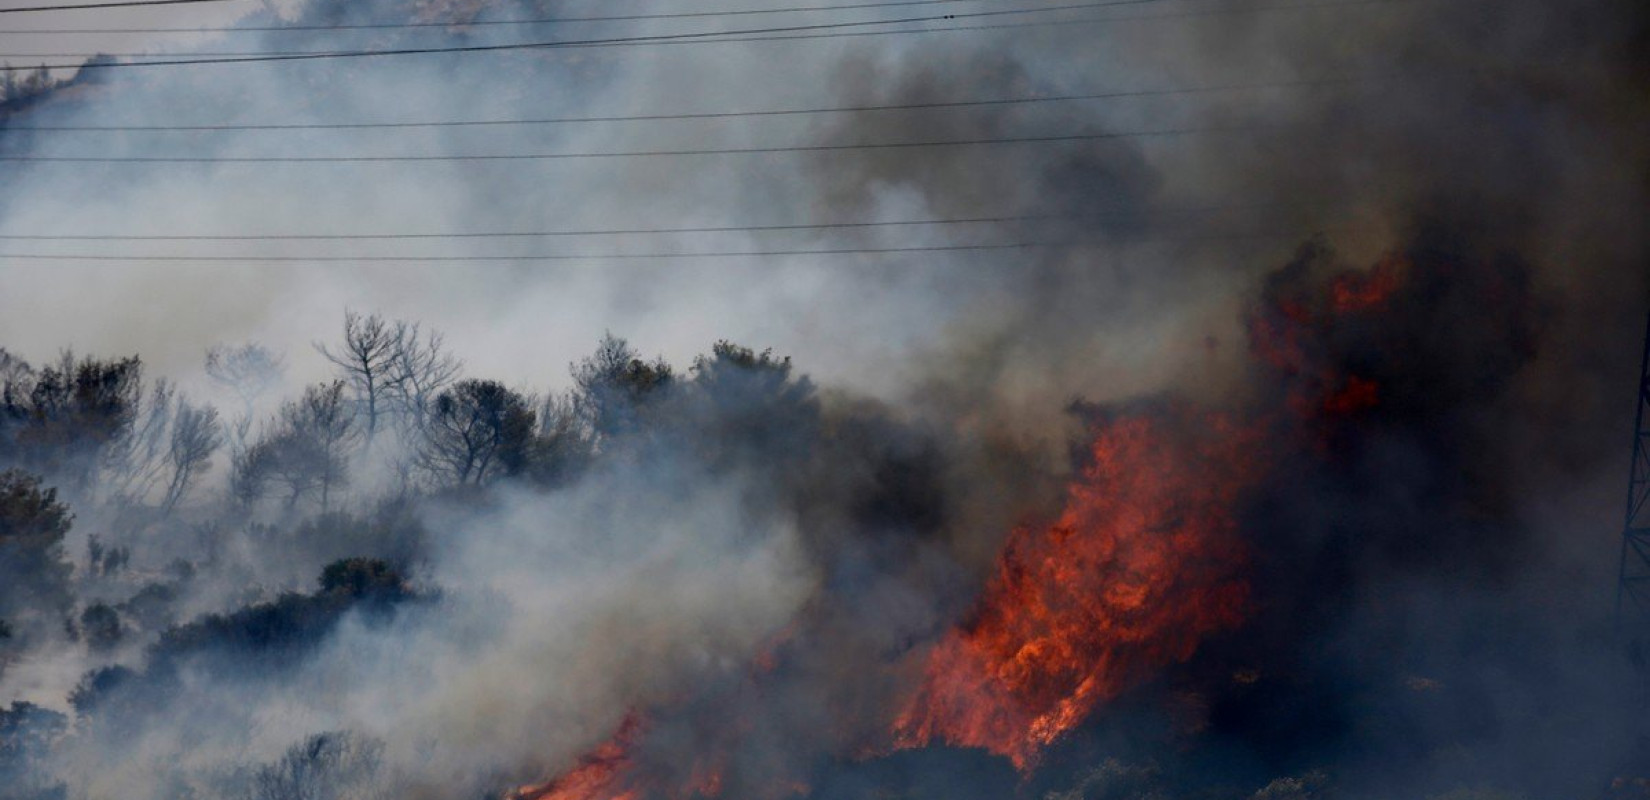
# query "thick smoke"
(1398, 243)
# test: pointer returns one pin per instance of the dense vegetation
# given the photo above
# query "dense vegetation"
(199, 525)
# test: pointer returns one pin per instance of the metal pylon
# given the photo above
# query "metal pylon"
(1633, 588)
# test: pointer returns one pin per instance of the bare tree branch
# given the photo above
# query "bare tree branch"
(367, 355)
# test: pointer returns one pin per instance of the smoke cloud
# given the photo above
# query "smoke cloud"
(1389, 252)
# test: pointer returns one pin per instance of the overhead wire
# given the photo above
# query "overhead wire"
(295, 28)
(658, 255)
(768, 34)
(238, 58)
(538, 257)
(1126, 214)
(813, 148)
(657, 230)
(984, 102)
(113, 4)
(522, 234)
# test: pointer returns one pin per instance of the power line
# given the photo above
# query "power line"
(1106, 20)
(634, 231)
(542, 257)
(652, 256)
(122, 4)
(787, 33)
(816, 148)
(518, 234)
(240, 58)
(490, 23)
(1065, 98)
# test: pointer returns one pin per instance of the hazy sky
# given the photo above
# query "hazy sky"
(23, 34)
(1281, 160)
(854, 319)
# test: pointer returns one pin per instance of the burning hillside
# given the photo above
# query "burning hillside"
(1144, 400)
(1143, 563)
(1167, 539)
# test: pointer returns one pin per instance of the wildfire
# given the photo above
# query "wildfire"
(1361, 291)
(1289, 331)
(599, 775)
(610, 772)
(1143, 564)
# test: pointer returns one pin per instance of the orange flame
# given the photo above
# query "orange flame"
(1355, 291)
(599, 775)
(1143, 564)
(610, 772)
(1288, 330)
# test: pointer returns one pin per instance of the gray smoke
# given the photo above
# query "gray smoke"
(1443, 131)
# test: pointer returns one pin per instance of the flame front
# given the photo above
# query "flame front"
(1141, 566)
(1144, 563)
(599, 775)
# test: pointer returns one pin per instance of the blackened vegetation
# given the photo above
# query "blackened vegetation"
(1384, 444)
(97, 428)
(390, 530)
(303, 454)
(19, 90)
(477, 431)
(252, 646)
(284, 629)
(1383, 539)
(336, 764)
(868, 493)
(34, 573)
(60, 419)
(27, 735)
(100, 626)
(306, 487)
(617, 389)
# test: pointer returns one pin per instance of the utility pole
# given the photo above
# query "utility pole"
(1633, 585)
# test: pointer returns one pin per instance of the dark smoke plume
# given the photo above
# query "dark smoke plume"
(1361, 284)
